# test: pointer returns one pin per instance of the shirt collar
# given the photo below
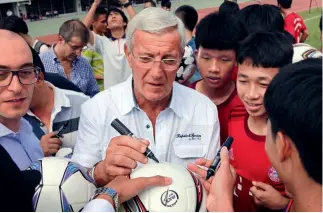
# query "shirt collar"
(60, 100)
(24, 126)
(113, 38)
(128, 100)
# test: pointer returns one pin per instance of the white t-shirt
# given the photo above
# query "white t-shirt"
(116, 67)
(186, 130)
(43, 48)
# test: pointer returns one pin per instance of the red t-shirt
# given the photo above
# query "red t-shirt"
(295, 25)
(248, 157)
(224, 111)
(235, 73)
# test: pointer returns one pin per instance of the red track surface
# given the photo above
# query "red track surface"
(298, 6)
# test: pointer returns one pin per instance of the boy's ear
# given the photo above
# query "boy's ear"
(196, 52)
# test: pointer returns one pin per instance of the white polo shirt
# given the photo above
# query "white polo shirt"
(66, 109)
(188, 129)
(116, 67)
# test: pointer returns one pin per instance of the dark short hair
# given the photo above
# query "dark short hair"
(266, 49)
(14, 24)
(229, 7)
(74, 28)
(153, 4)
(293, 102)
(286, 4)
(166, 3)
(188, 15)
(218, 31)
(117, 10)
(257, 17)
(99, 11)
(321, 23)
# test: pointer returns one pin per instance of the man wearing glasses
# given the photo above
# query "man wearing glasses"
(65, 57)
(17, 78)
(178, 124)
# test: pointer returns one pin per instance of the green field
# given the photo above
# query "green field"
(312, 21)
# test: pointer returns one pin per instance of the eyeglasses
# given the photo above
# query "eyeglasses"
(26, 76)
(74, 48)
(168, 64)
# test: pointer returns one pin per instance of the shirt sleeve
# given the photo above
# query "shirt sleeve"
(92, 87)
(98, 44)
(214, 145)
(87, 147)
(98, 205)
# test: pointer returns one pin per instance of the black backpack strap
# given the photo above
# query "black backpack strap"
(36, 126)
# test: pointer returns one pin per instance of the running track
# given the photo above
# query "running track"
(298, 6)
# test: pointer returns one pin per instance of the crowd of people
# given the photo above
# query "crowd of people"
(111, 65)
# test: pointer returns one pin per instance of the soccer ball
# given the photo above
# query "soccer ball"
(65, 186)
(187, 66)
(304, 51)
(185, 194)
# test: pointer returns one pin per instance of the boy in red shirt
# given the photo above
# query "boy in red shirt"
(217, 38)
(260, 56)
(294, 23)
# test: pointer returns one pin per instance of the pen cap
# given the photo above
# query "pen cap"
(120, 127)
(228, 142)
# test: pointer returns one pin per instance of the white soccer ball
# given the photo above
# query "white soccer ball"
(187, 66)
(304, 51)
(65, 186)
(185, 194)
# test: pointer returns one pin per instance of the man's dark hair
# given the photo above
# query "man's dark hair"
(321, 23)
(267, 18)
(218, 31)
(286, 4)
(99, 11)
(166, 3)
(229, 7)
(14, 24)
(188, 15)
(117, 10)
(293, 102)
(266, 49)
(153, 4)
(74, 28)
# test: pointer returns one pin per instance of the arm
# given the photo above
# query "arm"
(304, 36)
(130, 10)
(89, 18)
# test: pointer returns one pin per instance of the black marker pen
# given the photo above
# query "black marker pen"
(217, 160)
(123, 130)
(59, 131)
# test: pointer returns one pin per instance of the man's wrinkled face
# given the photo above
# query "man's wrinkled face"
(72, 48)
(154, 60)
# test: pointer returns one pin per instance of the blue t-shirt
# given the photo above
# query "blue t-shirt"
(196, 76)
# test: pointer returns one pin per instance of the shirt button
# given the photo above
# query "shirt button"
(147, 126)
(41, 124)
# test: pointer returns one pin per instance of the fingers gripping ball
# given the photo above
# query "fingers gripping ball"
(187, 66)
(185, 194)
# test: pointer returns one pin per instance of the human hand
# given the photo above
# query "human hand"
(267, 196)
(220, 198)
(97, 2)
(128, 188)
(50, 144)
(124, 1)
(200, 168)
(121, 158)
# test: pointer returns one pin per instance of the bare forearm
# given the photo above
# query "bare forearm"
(131, 11)
(89, 16)
(304, 36)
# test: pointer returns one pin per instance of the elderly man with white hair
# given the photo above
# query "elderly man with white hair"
(178, 124)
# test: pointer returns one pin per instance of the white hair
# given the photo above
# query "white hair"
(157, 21)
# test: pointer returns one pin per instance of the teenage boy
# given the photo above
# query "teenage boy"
(293, 142)
(294, 24)
(216, 59)
(260, 56)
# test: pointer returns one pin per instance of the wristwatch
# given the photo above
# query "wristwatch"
(127, 4)
(110, 192)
